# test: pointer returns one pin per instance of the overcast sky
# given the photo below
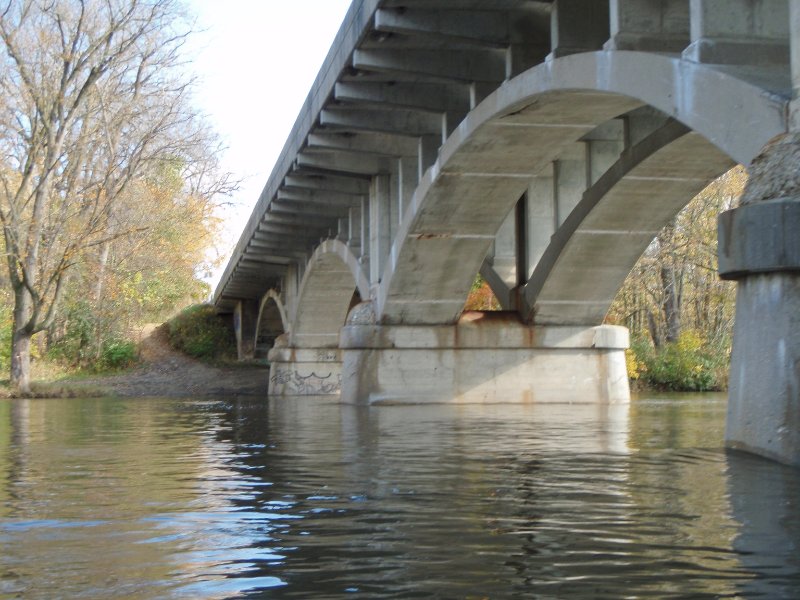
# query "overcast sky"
(256, 61)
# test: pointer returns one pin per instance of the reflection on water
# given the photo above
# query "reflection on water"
(181, 499)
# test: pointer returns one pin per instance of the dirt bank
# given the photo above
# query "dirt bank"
(165, 372)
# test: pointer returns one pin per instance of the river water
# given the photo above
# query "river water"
(157, 498)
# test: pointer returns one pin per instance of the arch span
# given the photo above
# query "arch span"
(523, 127)
(271, 322)
(331, 276)
(593, 251)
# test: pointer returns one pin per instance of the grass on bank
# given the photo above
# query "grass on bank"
(51, 379)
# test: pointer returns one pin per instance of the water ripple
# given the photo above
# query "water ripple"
(166, 499)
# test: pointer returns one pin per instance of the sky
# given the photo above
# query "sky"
(255, 61)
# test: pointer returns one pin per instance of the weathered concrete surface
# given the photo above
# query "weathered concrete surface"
(486, 357)
(759, 247)
(760, 238)
(764, 396)
(304, 372)
(774, 173)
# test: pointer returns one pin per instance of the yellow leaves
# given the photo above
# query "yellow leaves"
(634, 366)
(481, 297)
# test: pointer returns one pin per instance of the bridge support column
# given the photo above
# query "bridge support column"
(304, 371)
(486, 357)
(759, 247)
(245, 322)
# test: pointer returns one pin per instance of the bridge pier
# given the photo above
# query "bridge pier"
(759, 248)
(304, 371)
(485, 357)
(245, 322)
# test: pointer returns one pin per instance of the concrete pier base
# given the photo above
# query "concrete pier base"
(760, 249)
(764, 395)
(304, 372)
(486, 357)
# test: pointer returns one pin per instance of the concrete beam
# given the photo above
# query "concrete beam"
(286, 236)
(367, 142)
(380, 239)
(400, 122)
(739, 32)
(434, 97)
(259, 269)
(476, 27)
(290, 228)
(342, 161)
(649, 25)
(277, 253)
(302, 208)
(578, 26)
(321, 198)
(466, 4)
(308, 221)
(259, 260)
(311, 179)
(463, 64)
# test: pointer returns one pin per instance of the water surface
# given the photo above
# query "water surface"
(161, 498)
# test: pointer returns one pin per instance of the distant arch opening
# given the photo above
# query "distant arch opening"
(271, 323)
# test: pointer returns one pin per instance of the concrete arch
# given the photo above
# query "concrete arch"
(521, 128)
(593, 251)
(331, 276)
(271, 321)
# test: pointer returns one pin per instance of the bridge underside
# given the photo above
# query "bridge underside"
(540, 144)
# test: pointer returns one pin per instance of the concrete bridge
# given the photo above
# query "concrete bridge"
(543, 144)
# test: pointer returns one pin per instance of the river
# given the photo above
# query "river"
(161, 498)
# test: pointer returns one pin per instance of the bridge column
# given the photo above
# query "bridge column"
(759, 247)
(245, 322)
(485, 357)
(738, 32)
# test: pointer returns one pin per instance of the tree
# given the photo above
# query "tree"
(94, 100)
(674, 285)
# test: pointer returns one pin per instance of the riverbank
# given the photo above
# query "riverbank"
(161, 371)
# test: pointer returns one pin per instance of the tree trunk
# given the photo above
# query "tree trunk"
(672, 303)
(102, 262)
(21, 344)
(652, 327)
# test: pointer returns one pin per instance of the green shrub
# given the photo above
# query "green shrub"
(76, 344)
(117, 354)
(198, 331)
(686, 365)
(84, 341)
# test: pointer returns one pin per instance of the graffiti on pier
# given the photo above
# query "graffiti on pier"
(292, 382)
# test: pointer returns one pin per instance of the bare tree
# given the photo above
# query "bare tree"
(93, 98)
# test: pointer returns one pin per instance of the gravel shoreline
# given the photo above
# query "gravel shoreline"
(165, 372)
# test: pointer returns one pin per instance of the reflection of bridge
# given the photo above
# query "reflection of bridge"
(542, 144)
